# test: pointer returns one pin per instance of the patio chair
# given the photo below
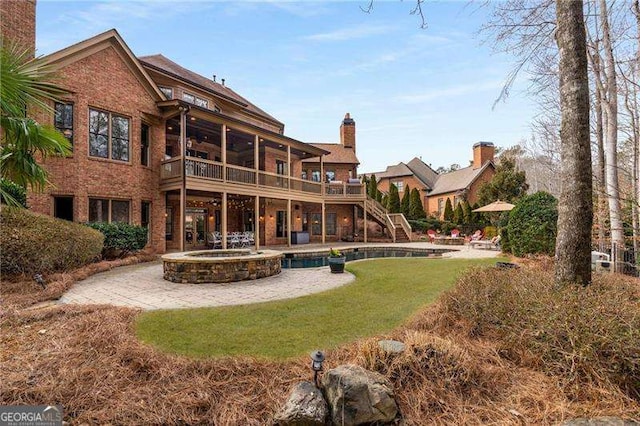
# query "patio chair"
(431, 234)
(493, 244)
(455, 233)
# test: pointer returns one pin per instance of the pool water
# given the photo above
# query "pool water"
(315, 260)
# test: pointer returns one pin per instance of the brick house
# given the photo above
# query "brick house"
(435, 189)
(158, 145)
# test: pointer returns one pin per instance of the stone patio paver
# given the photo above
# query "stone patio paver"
(142, 285)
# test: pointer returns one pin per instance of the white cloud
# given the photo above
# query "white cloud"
(448, 92)
(351, 33)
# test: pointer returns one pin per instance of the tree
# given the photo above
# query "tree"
(393, 200)
(373, 187)
(416, 210)
(508, 184)
(406, 201)
(532, 225)
(448, 210)
(575, 207)
(458, 214)
(25, 84)
(467, 215)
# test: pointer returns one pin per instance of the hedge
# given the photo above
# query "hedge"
(532, 225)
(33, 243)
(121, 238)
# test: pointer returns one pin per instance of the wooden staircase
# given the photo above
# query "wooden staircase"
(397, 225)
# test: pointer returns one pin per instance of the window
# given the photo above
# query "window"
(167, 91)
(168, 227)
(192, 99)
(330, 227)
(330, 175)
(281, 167)
(303, 176)
(103, 210)
(305, 222)
(315, 176)
(63, 120)
(281, 224)
(145, 217)
(400, 185)
(440, 206)
(63, 208)
(198, 154)
(316, 223)
(144, 145)
(108, 135)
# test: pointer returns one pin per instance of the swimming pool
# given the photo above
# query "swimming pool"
(321, 258)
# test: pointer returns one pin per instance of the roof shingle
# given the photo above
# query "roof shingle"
(338, 154)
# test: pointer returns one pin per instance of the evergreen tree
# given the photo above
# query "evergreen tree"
(406, 201)
(416, 210)
(448, 210)
(458, 214)
(508, 184)
(373, 187)
(467, 216)
(380, 197)
(393, 200)
(384, 200)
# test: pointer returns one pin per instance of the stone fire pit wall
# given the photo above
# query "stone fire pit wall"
(220, 266)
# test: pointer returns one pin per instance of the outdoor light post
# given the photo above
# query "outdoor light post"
(317, 358)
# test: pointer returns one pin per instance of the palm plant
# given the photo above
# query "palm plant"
(26, 85)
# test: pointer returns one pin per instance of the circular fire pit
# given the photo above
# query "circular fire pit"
(220, 266)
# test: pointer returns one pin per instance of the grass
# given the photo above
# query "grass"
(385, 293)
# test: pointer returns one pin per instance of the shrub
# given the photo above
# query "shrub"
(33, 243)
(581, 335)
(489, 232)
(15, 191)
(532, 225)
(121, 238)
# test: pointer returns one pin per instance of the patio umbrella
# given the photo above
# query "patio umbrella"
(496, 206)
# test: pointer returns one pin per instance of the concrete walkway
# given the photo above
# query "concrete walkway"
(142, 286)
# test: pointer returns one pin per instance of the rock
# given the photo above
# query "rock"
(599, 421)
(305, 407)
(392, 346)
(357, 396)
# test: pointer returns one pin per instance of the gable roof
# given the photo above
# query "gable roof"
(423, 172)
(92, 45)
(338, 154)
(458, 179)
(164, 65)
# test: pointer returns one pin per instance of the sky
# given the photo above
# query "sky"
(413, 92)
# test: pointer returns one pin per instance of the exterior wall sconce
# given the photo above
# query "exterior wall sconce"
(344, 218)
(270, 216)
(261, 218)
(317, 358)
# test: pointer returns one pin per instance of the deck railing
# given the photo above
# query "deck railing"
(215, 171)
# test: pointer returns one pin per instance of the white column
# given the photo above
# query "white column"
(324, 231)
(223, 226)
(256, 221)
(223, 154)
(289, 222)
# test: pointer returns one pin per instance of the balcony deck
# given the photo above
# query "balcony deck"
(207, 175)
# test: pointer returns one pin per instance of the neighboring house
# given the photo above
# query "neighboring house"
(436, 188)
(158, 145)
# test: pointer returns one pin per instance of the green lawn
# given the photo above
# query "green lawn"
(385, 293)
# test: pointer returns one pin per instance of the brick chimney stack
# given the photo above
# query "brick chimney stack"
(482, 153)
(348, 132)
(18, 24)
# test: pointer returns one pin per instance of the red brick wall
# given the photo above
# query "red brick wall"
(18, 23)
(103, 81)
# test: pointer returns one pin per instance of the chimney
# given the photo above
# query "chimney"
(348, 132)
(18, 24)
(482, 153)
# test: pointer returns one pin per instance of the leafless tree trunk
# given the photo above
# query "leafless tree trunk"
(601, 210)
(575, 208)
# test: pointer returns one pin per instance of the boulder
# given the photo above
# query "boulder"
(357, 396)
(305, 407)
(391, 346)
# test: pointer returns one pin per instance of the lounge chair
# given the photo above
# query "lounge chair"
(493, 244)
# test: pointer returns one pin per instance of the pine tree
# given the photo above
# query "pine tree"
(384, 200)
(466, 213)
(406, 201)
(416, 210)
(448, 210)
(393, 200)
(373, 187)
(458, 214)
